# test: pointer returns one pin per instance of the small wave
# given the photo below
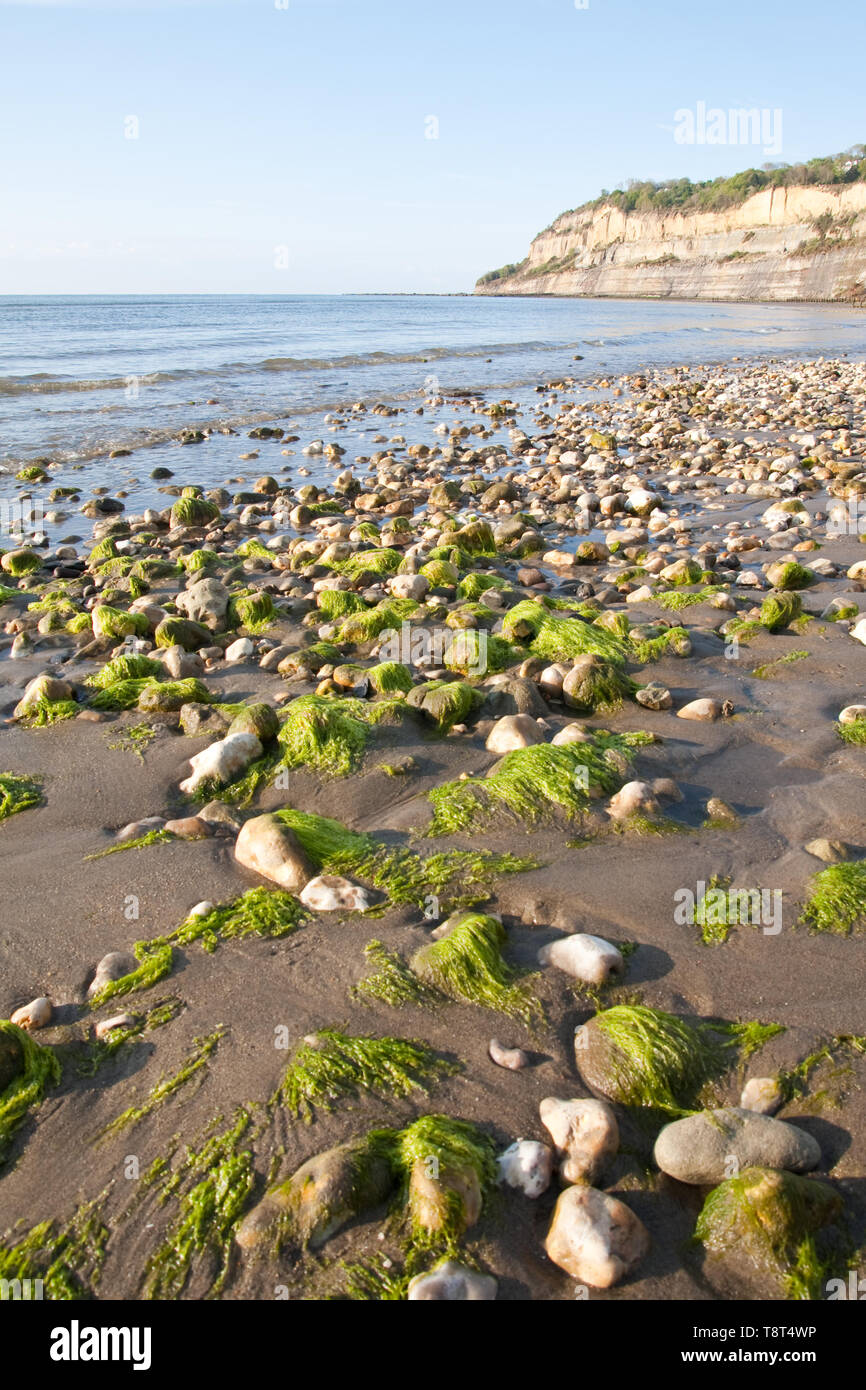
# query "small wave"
(43, 383)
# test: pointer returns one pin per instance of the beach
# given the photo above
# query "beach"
(654, 573)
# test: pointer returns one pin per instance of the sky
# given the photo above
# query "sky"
(331, 146)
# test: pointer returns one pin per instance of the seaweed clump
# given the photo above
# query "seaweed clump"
(556, 639)
(33, 1068)
(449, 1169)
(457, 878)
(392, 982)
(467, 964)
(17, 794)
(222, 1176)
(781, 1222)
(60, 1263)
(532, 784)
(332, 1065)
(645, 1057)
(838, 901)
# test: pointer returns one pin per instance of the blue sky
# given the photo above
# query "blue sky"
(284, 147)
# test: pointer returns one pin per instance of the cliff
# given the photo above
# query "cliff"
(788, 243)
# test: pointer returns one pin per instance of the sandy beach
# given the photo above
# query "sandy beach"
(615, 657)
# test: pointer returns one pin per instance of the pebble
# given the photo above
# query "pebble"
(590, 959)
(330, 893)
(36, 1014)
(699, 1148)
(654, 696)
(829, 851)
(240, 650)
(222, 762)
(706, 709)
(513, 731)
(526, 1165)
(595, 1238)
(585, 1133)
(511, 1058)
(762, 1094)
(633, 799)
(188, 828)
(136, 828)
(452, 1282)
(270, 848)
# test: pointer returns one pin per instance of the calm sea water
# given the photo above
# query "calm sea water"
(82, 375)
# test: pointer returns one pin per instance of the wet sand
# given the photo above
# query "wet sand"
(777, 761)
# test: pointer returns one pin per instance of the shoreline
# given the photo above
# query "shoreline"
(669, 481)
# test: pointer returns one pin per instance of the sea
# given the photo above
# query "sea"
(81, 376)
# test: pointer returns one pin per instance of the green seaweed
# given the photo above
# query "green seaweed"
(389, 678)
(101, 1050)
(39, 1068)
(467, 964)
(779, 610)
(266, 912)
(647, 649)
(768, 669)
(838, 900)
(450, 1152)
(382, 560)
(151, 837)
(557, 639)
(778, 1220)
(533, 784)
(207, 1213)
(42, 712)
(392, 982)
(18, 794)
(167, 1086)
(456, 878)
(677, 599)
(254, 612)
(61, 1263)
(123, 668)
(658, 1061)
(154, 963)
(335, 604)
(854, 732)
(333, 1065)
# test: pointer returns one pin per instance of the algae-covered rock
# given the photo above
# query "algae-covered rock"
(445, 702)
(324, 1194)
(114, 622)
(450, 1166)
(781, 1224)
(182, 632)
(258, 719)
(20, 562)
(168, 696)
(641, 1056)
(594, 684)
(11, 1059)
(194, 511)
(779, 609)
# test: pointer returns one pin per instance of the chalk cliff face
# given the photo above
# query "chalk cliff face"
(748, 252)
